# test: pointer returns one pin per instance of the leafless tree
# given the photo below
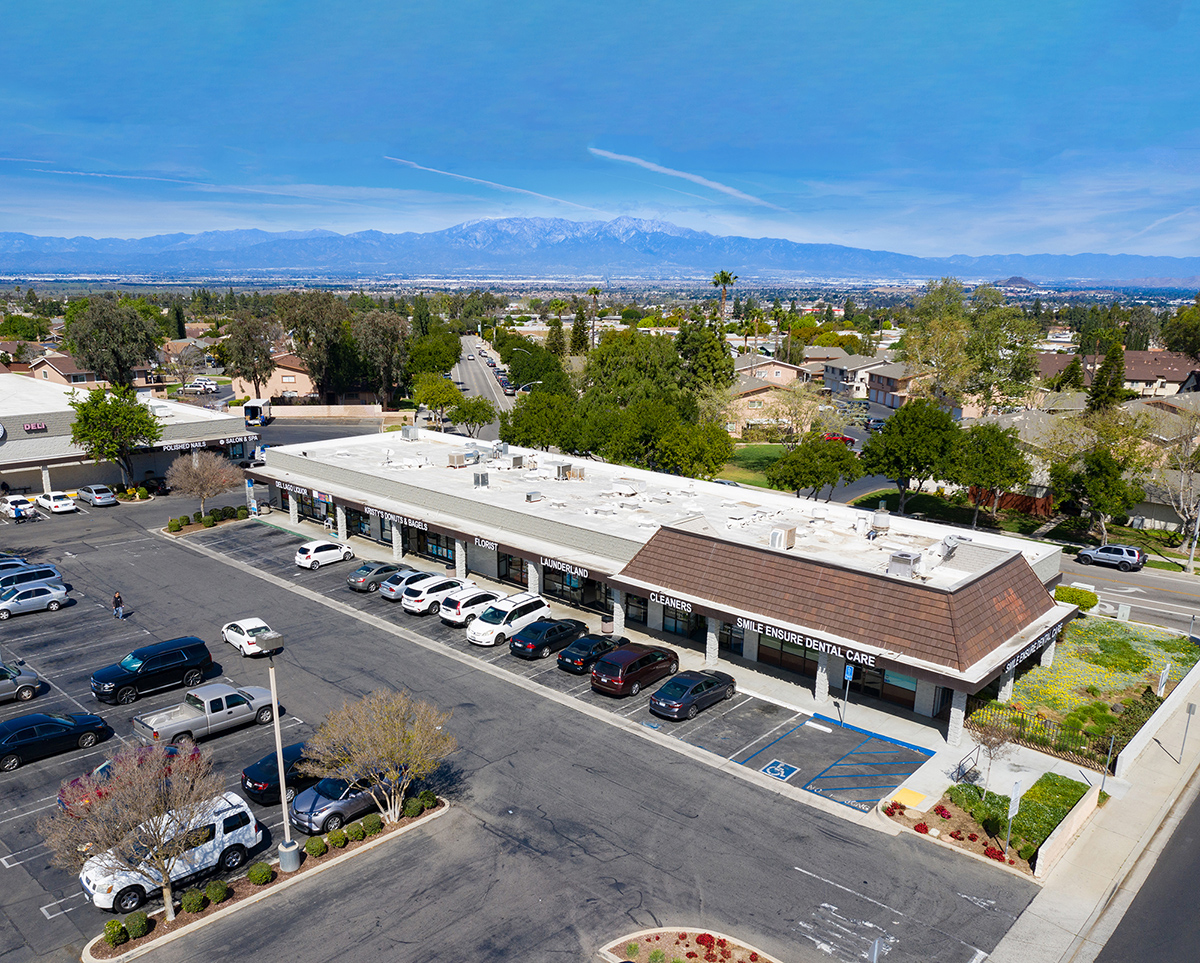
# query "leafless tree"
(384, 740)
(141, 819)
(203, 475)
(1176, 480)
(995, 742)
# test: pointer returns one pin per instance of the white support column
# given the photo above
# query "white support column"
(1047, 658)
(533, 571)
(958, 713)
(397, 539)
(712, 647)
(293, 509)
(618, 615)
(654, 616)
(45, 479)
(1006, 685)
(341, 523)
(821, 686)
(926, 697)
(460, 558)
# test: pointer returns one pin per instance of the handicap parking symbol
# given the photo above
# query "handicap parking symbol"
(780, 770)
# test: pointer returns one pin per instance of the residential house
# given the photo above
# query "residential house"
(62, 369)
(1152, 374)
(769, 370)
(847, 377)
(754, 405)
(290, 380)
(890, 384)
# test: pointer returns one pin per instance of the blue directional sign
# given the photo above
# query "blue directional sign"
(780, 770)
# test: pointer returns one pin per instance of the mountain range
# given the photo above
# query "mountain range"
(550, 247)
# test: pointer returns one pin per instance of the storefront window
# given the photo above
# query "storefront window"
(305, 506)
(510, 568)
(562, 585)
(636, 609)
(794, 658)
(358, 523)
(692, 625)
(428, 544)
(731, 637)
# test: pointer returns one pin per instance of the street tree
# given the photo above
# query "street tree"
(990, 460)
(433, 353)
(473, 413)
(935, 341)
(723, 280)
(918, 442)
(537, 420)
(142, 818)
(249, 349)
(422, 316)
(1176, 479)
(385, 740)
(112, 426)
(437, 394)
(579, 332)
(1100, 484)
(380, 336)
(317, 322)
(111, 339)
(813, 465)
(204, 475)
(556, 342)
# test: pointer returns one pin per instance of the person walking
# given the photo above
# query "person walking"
(118, 606)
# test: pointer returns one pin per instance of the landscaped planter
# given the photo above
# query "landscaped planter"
(244, 893)
(667, 945)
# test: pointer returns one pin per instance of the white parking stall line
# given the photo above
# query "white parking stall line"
(785, 722)
(59, 907)
(29, 812)
(58, 689)
(11, 862)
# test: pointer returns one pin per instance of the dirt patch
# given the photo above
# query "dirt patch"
(959, 829)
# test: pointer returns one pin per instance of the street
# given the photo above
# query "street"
(1162, 598)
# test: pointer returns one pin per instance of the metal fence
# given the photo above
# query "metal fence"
(1026, 729)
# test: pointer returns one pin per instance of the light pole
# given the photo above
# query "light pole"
(289, 851)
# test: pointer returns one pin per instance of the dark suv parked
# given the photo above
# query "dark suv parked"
(625, 670)
(160, 666)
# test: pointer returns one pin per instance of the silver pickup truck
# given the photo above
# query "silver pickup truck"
(204, 711)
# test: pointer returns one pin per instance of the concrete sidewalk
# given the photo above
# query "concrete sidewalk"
(1085, 896)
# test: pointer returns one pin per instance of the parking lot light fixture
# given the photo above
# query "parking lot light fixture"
(289, 851)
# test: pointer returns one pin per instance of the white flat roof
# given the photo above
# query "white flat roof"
(632, 504)
(21, 395)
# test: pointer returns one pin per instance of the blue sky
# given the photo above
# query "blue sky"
(938, 128)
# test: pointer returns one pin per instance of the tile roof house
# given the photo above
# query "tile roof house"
(290, 379)
(847, 377)
(768, 369)
(1152, 374)
(64, 370)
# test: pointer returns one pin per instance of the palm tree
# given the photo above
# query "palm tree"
(594, 294)
(723, 280)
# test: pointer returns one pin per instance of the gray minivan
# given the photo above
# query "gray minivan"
(19, 577)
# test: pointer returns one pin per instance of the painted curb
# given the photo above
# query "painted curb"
(638, 934)
(87, 957)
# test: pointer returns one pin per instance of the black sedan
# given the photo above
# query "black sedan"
(581, 655)
(41, 734)
(538, 639)
(261, 781)
(684, 695)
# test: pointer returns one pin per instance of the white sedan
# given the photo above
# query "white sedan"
(315, 554)
(56, 502)
(251, 637)
(11, 504)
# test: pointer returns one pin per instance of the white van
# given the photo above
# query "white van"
(221, 842)
(506, 617)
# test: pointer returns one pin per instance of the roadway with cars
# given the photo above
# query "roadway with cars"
(565, 831)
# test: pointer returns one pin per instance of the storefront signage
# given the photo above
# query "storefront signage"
(666, 601)
(184, 445)
(1043, 640)
(322, 497)
(237, 438)
(807, 641)
(400, 519)
(484, 543)
(558, 566)
(288, 487)
(36, 426)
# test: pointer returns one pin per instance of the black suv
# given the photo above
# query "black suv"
(152, 667)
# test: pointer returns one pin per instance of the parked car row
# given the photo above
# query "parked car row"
(29, 587)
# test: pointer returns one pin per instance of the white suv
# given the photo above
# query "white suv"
(228, 830)
(425, 597)
(505, 618)
(461, 608)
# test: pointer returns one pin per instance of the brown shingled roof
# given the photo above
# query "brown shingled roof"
(952, 628)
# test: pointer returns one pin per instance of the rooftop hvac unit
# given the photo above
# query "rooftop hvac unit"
(409, 433)
(820, 513)
(905, 564)
(533, 496)
(481, 479)
(783, 538)
(881, 521)
(516, 461)
(500, 448)
(460, 459)
(861, 525)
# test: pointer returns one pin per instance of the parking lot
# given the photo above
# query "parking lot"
(844, 764)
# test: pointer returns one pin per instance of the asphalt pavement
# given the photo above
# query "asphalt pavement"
(567, 830)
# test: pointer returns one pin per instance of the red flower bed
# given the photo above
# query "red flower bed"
(922, 828)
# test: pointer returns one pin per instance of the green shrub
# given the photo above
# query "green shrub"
(428, 798)
(1026, 852)
(631, 949)
(173, 525)
(260, 874)
(658, 955)
(196, 516)
(372, 823)
(208, 521)
(115, 933)
(185, 520)
(1076, 596)
(217, 891)
(243, 513)
(336, 838)
(142, 493)
(228, 512)
(316, 846)
(356, 832)
(193, 901)
(413, 807)
(137, 925)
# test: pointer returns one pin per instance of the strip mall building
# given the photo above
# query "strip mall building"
(919, 614)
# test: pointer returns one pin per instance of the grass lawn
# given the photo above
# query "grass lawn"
(749, 464)
(1157, 543)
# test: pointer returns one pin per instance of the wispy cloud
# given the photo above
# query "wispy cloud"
(694, 178)
(122, 177)
(492, 184)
